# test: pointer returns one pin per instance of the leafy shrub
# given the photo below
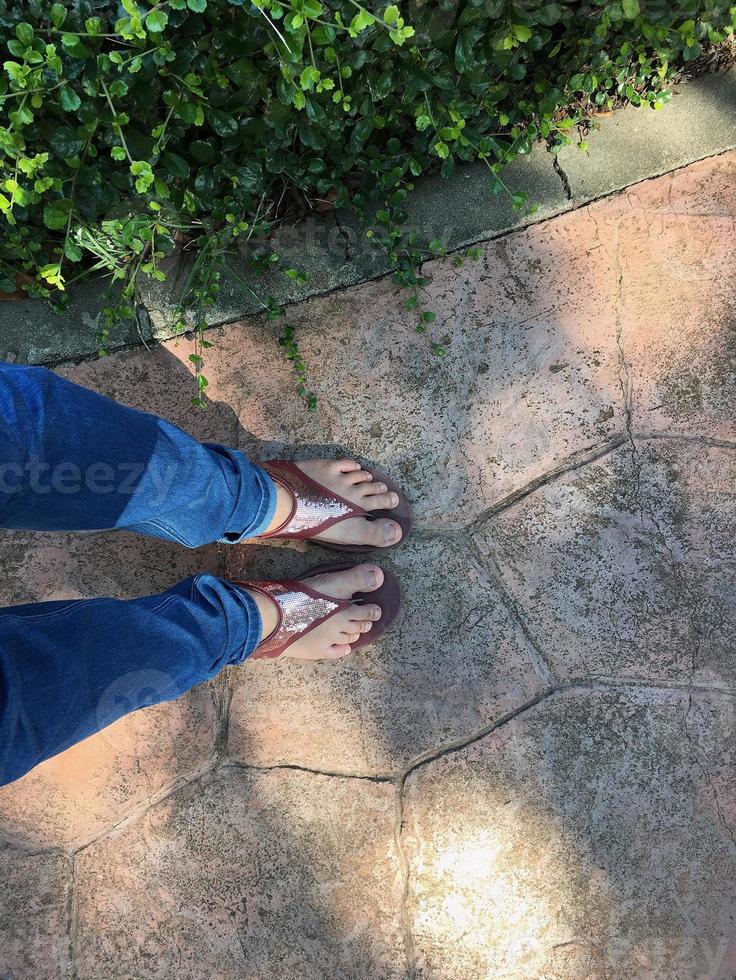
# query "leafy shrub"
(127, 126)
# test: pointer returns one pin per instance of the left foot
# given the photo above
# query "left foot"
(334, 637)
(348, 479)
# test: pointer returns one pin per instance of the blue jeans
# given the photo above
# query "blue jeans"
(72, 460)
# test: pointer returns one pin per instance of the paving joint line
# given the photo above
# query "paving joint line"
(311, 770)
(542, 667)
(575, 462)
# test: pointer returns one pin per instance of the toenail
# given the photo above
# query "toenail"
(394, 500)
(371, 578)
(389, 532)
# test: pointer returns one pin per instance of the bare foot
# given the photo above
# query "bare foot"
(330, 640)
(346, 477)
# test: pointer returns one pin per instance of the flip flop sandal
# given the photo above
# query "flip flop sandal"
(314, 508)
(301, 609)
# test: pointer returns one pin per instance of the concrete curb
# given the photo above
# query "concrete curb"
(630, 146)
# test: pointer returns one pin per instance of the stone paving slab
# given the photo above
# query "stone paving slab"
(676, 240)
(34, 911)
(247, 875)
(635, 143)
(33, 333)
(456, 661)
(624, 568)
(591, 837)
(116, 773)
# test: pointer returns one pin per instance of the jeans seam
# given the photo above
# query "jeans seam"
(163, 526)
(68, 604)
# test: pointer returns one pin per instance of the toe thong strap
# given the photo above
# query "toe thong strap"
(300, 610)
(314, 508)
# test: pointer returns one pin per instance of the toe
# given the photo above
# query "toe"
(338, 650)
(346, 466)
(383, 532)
(351, 637)
(366, 578)
(374, 611)
(373, 486)
(359, 613)
(380, 501)
(360, 476)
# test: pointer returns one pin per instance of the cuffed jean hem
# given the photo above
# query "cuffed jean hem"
(255, 626)
(69, 668)
(265, 509)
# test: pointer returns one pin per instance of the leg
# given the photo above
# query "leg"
(69, 668)
(73, 460)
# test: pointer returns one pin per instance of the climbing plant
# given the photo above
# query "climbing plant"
(133, 128)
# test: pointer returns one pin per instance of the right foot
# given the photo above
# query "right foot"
(348, 480)
(332, 639)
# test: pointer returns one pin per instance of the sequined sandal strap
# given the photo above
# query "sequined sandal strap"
(300, 609)
(314, 508)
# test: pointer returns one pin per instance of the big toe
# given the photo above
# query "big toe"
(365, 578)
(383, 532)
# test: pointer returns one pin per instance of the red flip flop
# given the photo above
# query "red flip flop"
(314, 508)
(301, 609)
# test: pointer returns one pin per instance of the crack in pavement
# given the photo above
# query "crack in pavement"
(564, 179)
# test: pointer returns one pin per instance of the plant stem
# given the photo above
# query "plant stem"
(116, 125)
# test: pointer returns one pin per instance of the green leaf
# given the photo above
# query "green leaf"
(464, 57)
(69, 100)
(24, 33)
(308, 78)
(391, 14)
(631, 9)
(422, 122)
(156, 21)
(65, 142)
(521, 32)
(58, 15)
(177, 166)
(198, 6)
(222, 123)
(363, 129)
(203, 151)
(14, 70)
(361, 21)
(549, 15)
(56, 214)
(72, 251)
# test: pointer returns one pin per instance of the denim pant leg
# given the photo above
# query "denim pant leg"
(70, 668)
(73, 460)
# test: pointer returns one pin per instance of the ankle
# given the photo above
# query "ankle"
(282, 510)
(268, 612)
